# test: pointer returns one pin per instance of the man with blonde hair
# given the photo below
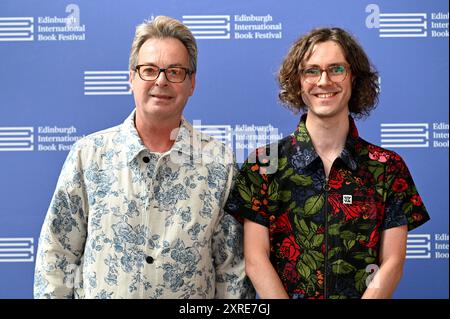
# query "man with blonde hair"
(138, 208)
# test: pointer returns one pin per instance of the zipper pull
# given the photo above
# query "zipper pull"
(326, 187)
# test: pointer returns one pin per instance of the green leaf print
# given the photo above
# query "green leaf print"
(407, 207)
(255, 178)
(342, 267)
(348, 235)
(245, 193)
(314, 204)
(334, 251)
(308, 260)
(360, 256)
(303, 269)
(273, 190)
(285, 196)
(301, 180)
(304, 230)
(317, 240)
(349, 243)
(282, 163)
(317, 256)
(338, 297)
(376, 169)
(360, 280)
(333, 230)
(287, 173)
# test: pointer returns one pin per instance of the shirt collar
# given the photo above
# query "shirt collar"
(132, 141)
(134, 145)
(302, 142)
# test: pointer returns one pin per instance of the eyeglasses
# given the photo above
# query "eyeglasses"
(335, 72)
(175, 74)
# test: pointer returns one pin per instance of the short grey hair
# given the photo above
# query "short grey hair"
(162, 27)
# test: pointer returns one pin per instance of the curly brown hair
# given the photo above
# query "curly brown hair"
(365, 87)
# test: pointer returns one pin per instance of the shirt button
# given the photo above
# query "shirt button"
(149, 259)
(146, 159)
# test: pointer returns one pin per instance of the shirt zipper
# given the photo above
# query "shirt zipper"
(326, 188)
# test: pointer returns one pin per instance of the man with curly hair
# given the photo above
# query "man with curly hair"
(332, 220)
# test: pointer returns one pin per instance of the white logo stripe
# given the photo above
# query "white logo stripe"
(16, 139)
(402, 36)
(16, 249)
(106, 72)
(400, 20)
(208, 32)
(106, 88)
(123, 77)
(424, 15)
(107, 93)
(105, 82)
(226, 17)
(24, 24)
(404, 124)
(418, 246)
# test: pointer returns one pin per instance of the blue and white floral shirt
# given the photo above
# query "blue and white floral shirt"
(128, 223)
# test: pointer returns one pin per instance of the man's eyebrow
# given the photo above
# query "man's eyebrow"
(328, 65)
(174, 64)
(170, 65)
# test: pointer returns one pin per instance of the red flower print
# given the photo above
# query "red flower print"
(417, 217)
(256, 204)
(373, 240)
(320, 278)
(282, 223)
(290, 249)
(350, 211)
(397, 167)
(416, 200)
(263, 189)
(399, 185)
(254, 168)
(290, 272)
(370, 208)
(336, 180)
(293, 140)
(377, 154)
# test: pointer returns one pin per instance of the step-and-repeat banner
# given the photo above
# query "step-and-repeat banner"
(63, 75)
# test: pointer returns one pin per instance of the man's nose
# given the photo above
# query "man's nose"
(324, 79)
(161, 80)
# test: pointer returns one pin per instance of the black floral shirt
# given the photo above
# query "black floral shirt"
(325, 233)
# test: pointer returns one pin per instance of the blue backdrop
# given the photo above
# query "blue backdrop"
(63, 74)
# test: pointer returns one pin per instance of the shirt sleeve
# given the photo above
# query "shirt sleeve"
(227, 249)
(404, 206)
(63, 235)
(249, 196)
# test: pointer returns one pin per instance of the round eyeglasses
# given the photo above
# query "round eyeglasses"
(336, 73)
(174, 74)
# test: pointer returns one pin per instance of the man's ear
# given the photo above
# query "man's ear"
(192, 77)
